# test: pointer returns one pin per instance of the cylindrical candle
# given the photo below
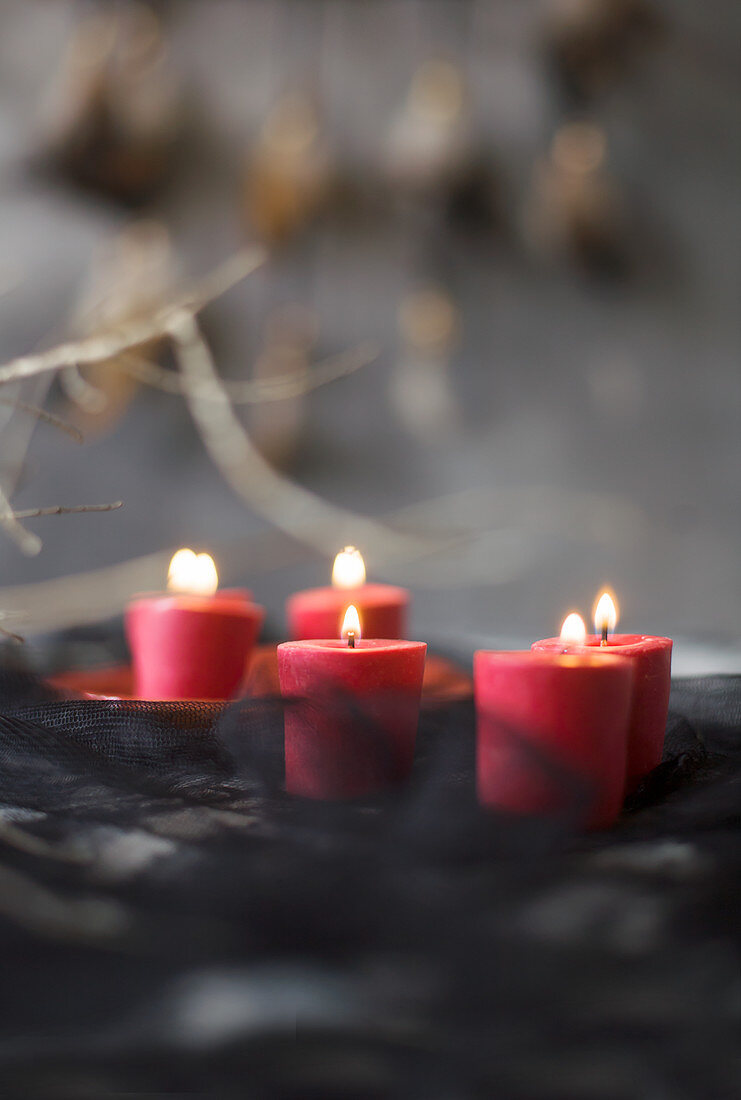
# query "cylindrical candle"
(651, 658)
(552, 732)
(351, 714)
(192, 644)
(317, 612)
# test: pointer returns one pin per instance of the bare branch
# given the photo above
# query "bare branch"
(218, 281)
(81, 392)
(63, 510)
(137, 332)
(26, 541)
(259, 390)
(293, 509)
(45, 416)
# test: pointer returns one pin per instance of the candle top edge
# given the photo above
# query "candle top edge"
(614, 641)
(568, 657)
(221, 600)
(362, 645)
(364, 593)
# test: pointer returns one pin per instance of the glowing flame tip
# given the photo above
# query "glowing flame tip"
(605, 613)
(192, 573)
(573, 631)
(351, 623)
(348, 570)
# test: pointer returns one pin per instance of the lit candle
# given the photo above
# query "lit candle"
(551, 733)
(651, 658)
(605, 616)
(193, 642)
(193, 573)
(352, 707)
(317, 612)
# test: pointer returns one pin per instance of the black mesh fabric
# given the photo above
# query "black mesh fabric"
(173, 923)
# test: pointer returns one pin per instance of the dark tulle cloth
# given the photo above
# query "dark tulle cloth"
(173, 923)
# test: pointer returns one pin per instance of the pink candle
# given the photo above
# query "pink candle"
(551, 733)
(318, 612)
(651, 658)
(352, 707)
(192, 644)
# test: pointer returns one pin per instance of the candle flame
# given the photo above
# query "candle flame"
(192, 573)
(573, 631)
(606, 613)
(351, 623)
(348, 570)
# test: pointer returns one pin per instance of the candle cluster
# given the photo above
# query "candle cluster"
(567, 727)
(650, 658)
(589, 707)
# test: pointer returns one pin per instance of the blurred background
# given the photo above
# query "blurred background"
(503, 235)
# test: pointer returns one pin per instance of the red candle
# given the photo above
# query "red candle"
(192, 642)
(551, 733)
(244, 594)
(352, 707)
(651, 658)
(318, 612)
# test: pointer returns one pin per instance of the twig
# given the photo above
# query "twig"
(81, 392)
(46, 417)
(26, 541)
(293, 509)
(103, 346)
(219, 281)
(135, 333)
(63, 510)
(258, 390)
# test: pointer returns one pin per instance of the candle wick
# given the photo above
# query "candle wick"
(351, 639)
(604, 636)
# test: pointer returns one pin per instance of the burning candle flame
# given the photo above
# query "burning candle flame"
(351, 624)
(192, 573)
(573, 631)
(348, 570)
(605, 614)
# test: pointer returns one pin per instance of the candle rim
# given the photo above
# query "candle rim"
(195, 602)
(229, 592)
(366, 593)
(614, 641)
(362, 645)
(575, 657)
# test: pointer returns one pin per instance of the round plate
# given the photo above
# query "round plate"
(443, 680)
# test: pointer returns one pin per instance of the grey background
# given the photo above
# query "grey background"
(597, 436)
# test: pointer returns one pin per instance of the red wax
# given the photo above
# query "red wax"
(233, 594)
(191, 647)
(652, 662)
(552, 733)
(351, 714)
(318, 612)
